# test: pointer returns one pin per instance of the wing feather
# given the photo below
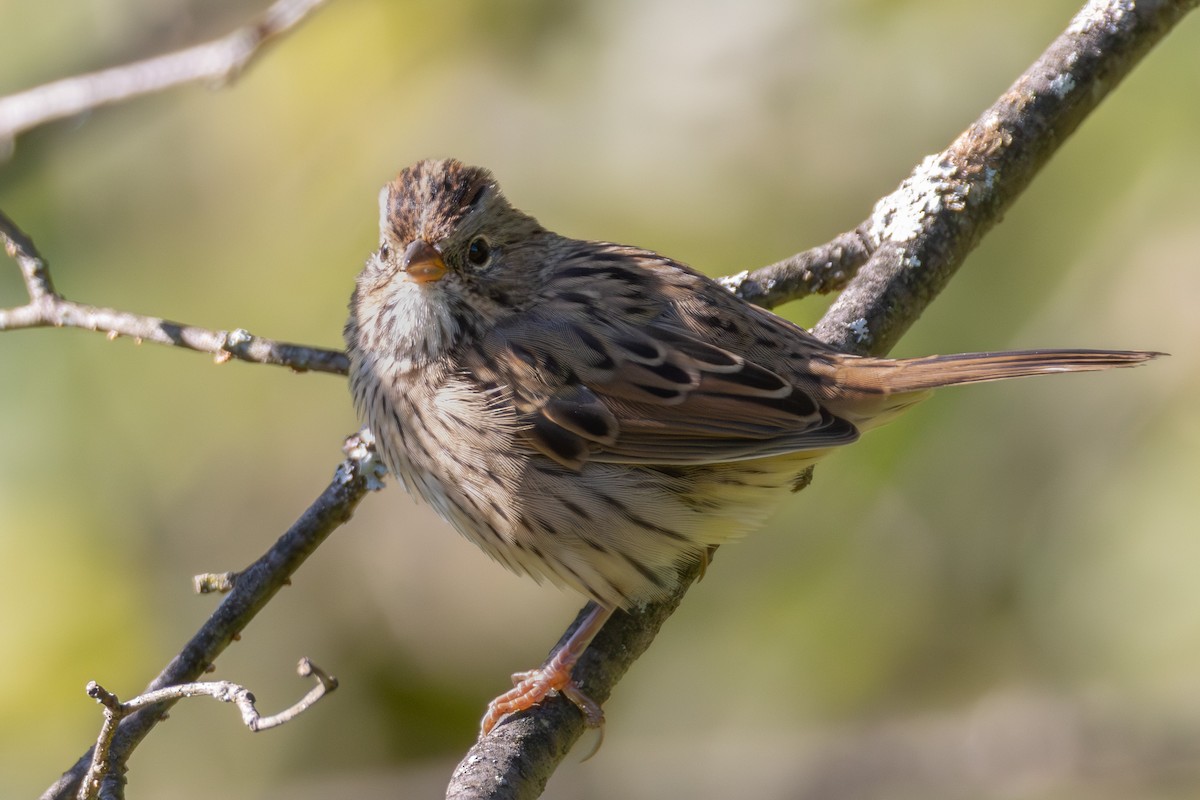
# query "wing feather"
(637, 384)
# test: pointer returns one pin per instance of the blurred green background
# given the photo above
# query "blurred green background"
(995, 597)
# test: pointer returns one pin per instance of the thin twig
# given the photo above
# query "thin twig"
(823, 269)
(918, 236)
(47, 308)
(325, 684)
(216, 62)
(102, 750)
(101, 772)
(253, 588)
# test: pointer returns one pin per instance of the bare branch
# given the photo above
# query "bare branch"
(917, 236)
(217, 62)
(825, 268)
(921, 233)
(821, 270)
(325, 684)
(252, 589)
(48, 308)
(98, 769)
(100, 774)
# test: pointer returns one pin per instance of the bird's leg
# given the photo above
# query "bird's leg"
(531, 687)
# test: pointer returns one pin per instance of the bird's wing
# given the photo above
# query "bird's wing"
(620, 381)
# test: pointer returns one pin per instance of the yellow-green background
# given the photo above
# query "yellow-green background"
(1026, 549)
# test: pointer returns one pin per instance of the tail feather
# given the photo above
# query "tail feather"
(882, 376)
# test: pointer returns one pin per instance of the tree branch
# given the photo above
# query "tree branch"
(102, 779)
(48, 308)
(218, 62)
(917, 238)
(923, 231)
(823, 269)
(252, 589)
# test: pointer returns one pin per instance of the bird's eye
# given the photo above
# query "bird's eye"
(478, 251)
(384, 251)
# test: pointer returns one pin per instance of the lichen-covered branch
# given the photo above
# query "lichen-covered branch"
(921, 233)
(820, 270)
(916, 237)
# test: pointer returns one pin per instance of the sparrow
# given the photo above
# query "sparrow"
(598, 415)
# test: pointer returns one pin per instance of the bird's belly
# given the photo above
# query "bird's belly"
(617, 533)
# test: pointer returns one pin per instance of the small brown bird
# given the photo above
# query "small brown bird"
(596, 414)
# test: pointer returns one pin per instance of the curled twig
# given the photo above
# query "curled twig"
(101, 772)
(254, 587)
(325, 684)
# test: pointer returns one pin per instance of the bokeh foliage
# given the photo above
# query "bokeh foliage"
(1035, 538)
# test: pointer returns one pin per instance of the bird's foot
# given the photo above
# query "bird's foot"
(534, 686)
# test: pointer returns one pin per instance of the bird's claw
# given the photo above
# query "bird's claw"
(534, 686)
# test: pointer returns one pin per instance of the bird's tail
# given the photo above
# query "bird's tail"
(899, 383)
(931, 372)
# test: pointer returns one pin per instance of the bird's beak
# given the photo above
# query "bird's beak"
(422, 262)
